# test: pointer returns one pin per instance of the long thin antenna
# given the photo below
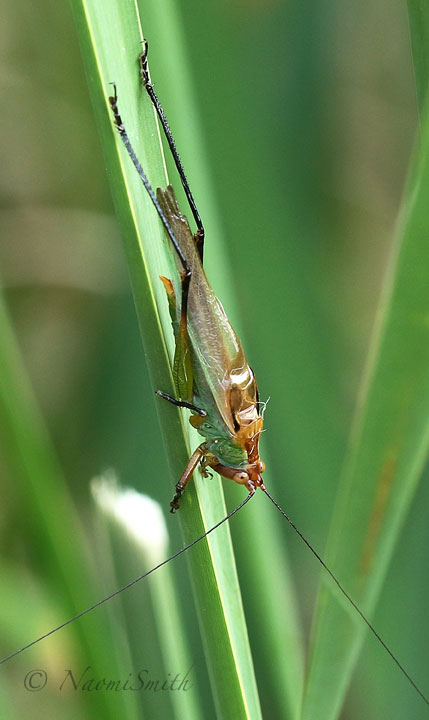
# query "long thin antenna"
(346, 595)
(128, 585)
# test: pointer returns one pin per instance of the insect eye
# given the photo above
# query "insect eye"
(241, 476)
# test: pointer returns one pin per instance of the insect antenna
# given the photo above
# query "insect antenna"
(128, 585)
(347, 596)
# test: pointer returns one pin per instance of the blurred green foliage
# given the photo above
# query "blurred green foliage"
(308, 116)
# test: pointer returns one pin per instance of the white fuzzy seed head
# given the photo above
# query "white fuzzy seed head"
(140, 516)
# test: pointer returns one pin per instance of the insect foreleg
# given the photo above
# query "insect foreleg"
(204, 464)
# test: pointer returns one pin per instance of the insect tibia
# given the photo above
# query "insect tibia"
(187, 474)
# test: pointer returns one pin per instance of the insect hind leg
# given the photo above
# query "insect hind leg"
(144, 75)
(186, 272)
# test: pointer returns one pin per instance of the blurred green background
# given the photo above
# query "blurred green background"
(308, 114)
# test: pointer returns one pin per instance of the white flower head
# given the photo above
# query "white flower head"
(140, 516)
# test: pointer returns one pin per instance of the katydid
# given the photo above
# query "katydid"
(210, 371)
(211, 374)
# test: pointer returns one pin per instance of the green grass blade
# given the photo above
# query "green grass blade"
(137, 535)
(29, 461)
(110, 39)
(388, 448)
(264, 570)
(418, 15)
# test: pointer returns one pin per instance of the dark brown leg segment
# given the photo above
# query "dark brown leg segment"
(144, 74)
(180, 403)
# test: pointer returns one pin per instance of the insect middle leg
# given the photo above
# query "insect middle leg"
(180, 403)
(144, 74)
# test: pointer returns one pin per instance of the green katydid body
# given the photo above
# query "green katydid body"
(211, 371)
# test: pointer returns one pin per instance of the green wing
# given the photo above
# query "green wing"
(218, 362)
